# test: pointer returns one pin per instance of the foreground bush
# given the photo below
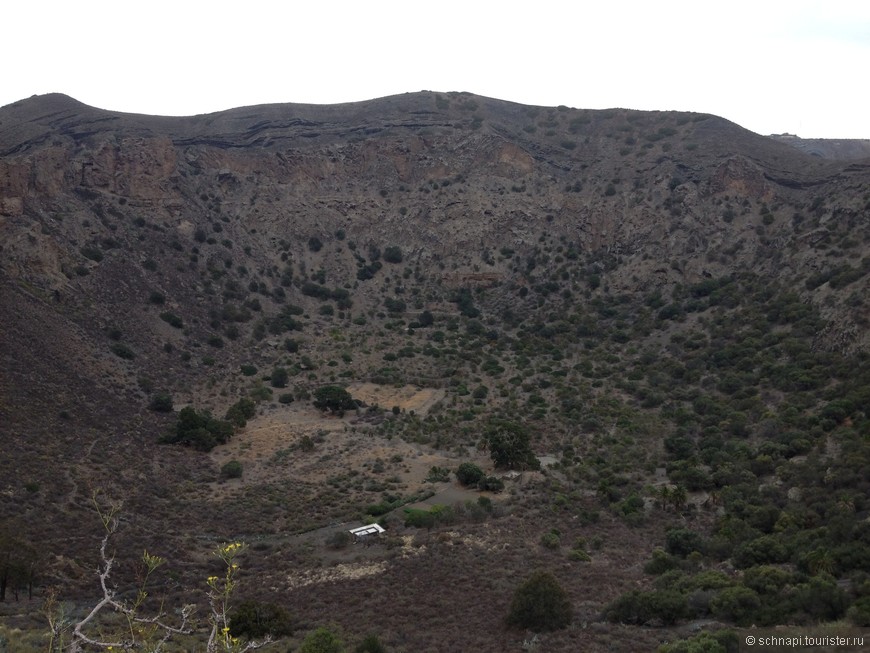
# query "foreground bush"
(255, 619)
(119, 620)
(322, 640)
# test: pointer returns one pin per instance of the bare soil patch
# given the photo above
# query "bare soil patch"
(270, 446)
(408, 397)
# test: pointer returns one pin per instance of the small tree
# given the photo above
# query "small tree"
(333, 398)
(469, 473)
(540, 604)
(509, 445)
(199, 430)
(280, 376)
(240, 412)
(393, 254)
(161, 403)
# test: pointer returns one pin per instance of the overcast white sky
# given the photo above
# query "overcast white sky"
(799, 66)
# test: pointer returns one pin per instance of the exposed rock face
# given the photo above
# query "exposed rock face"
(741, 177)
(448, 177)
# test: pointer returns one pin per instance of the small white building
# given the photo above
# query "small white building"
(363, 533)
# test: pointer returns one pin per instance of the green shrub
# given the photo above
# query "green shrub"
(199, 430)
(660, 563)
(820, 599)
(637, 607)
(419, 518)
(322, 640)
(232, 469)
(172, 319)
(395, 305)
(490, 484)
(371, 644)
(722, 641)
(92, 253)
(683, 541)
(240, 412)
(551, 540)
(859, 613)
(339, 539)
(333, 398)
(122, 351)
(161, 403)
(579, 555)
(248, 370)
(767, 579)
(540, 604)
(438, 475)
(393, 254)
(738, 604)
(279, 377)
(469, 473)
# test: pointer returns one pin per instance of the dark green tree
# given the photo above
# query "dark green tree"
(199, 430)
(509, 445)
(469, 473)
(393, 254)
(280, 376)
(161, 403)
(540, 604)
(333, 398)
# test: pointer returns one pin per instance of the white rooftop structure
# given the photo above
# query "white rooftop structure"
(371, 529)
